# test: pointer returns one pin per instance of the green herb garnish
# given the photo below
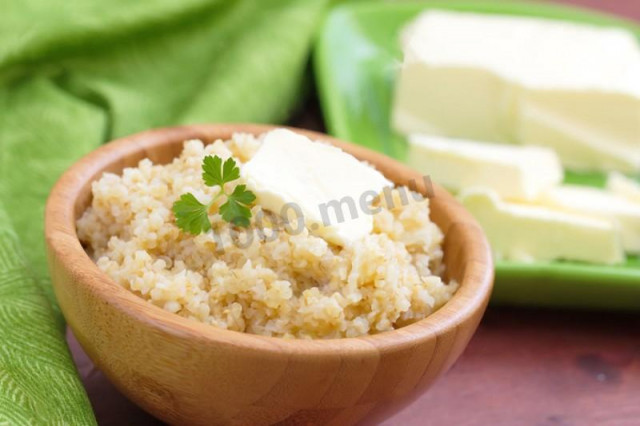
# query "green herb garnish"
(192, 216)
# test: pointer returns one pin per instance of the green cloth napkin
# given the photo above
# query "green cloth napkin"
(38, 382)
(74, 74)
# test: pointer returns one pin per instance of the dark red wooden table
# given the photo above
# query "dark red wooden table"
(523, 366)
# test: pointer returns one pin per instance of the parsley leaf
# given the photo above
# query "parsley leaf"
(230, 171)
(214, 173)
(212, 170)
(236, 209)
(234, 212)
(242, 195)
(192, 216)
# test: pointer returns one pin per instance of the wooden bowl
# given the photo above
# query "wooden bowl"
(186, 372)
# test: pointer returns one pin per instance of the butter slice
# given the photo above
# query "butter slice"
(571, 87)
(524, 232)
(518, 172)
(624, 187)
(601, 204)
(290, 172)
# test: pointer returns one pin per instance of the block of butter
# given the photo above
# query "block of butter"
(525, 232)
(601, 204)
(327, 200)
(623, 186)
(516, 172)
(571, 87)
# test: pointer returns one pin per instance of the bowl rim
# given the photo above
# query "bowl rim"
(64, 244)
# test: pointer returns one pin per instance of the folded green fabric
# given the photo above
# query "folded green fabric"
(38, 382)
(76, 74)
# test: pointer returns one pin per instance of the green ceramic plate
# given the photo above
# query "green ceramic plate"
(356, 59)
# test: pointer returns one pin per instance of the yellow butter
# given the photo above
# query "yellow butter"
(525, 232)
(518, 172)
(571, 87)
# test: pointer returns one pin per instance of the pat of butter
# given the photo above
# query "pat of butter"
(518, 172)
(624, 187)
(601, 204)
(571, 87)
(525, 232)
(319, 184)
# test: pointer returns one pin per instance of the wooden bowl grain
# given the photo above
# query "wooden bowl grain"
(185, 372)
